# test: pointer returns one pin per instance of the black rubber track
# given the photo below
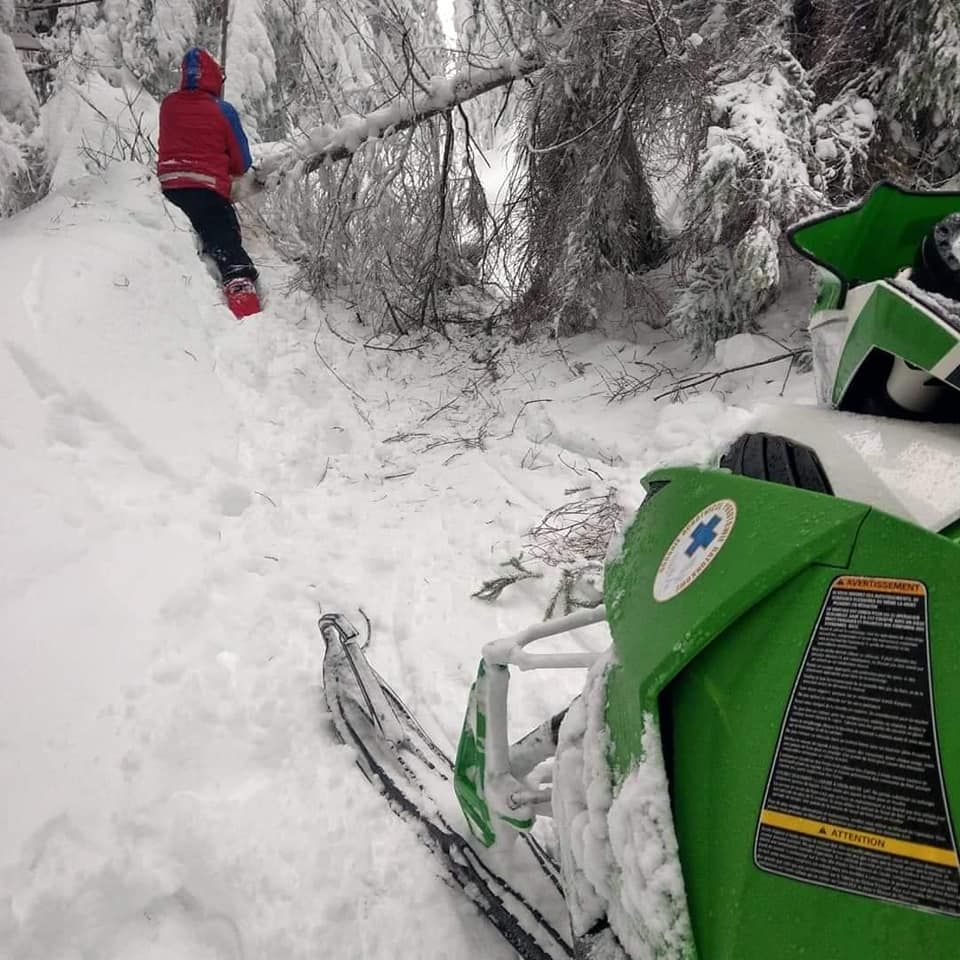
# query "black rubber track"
(776, 459)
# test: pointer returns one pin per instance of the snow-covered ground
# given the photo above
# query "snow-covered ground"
(181, 495)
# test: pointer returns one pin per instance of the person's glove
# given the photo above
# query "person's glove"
(246, 186)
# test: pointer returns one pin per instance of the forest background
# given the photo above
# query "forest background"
(531, 166)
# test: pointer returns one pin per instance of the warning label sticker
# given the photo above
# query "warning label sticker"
(855, 798)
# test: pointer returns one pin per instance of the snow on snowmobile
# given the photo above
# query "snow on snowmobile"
(762, 763)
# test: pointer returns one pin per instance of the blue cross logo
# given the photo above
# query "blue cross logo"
(703, 535)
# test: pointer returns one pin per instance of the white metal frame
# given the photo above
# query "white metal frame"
(504, 789)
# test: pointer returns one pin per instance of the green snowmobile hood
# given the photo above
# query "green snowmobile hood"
(776, 532)
(875, 238)
(798, 654)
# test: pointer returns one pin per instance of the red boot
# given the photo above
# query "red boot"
(242, 297)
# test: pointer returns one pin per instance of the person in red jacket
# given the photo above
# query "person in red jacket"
(202, 152)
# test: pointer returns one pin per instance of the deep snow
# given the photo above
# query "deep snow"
(181, 495)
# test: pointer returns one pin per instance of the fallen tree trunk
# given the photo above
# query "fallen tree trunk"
(329, 144)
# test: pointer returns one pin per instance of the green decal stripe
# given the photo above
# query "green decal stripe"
(890, 322)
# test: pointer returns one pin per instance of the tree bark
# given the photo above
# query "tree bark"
(643, 245)
(224, 23)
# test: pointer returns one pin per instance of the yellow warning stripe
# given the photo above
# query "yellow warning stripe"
(912, 588)
(860, 838)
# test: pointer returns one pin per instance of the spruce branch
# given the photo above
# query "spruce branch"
(491, 589)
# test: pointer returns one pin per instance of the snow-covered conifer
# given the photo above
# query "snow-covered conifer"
(582, 211)
(752, 179)
(20, 159)
(919, 88)
(250, 63)
(141, 41)
(392, 221)
(487, 30)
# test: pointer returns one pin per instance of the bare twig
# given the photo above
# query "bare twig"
(362, 414)
(416, 346)
(337, 333)
(529, 460)
(469, 443)
(623, 385)
(786, 378)
(576, 531)
(60, 4)
(520, 413)
(316, 348)
(440, 409)
(687, 383)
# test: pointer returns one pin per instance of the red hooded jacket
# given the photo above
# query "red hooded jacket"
(202, 143)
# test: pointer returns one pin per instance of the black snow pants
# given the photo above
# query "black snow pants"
(216, 223)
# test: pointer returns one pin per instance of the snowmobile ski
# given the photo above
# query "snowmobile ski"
(403, 761)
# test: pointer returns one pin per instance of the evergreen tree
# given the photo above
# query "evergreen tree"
(688, 132)
(754, 175)
(835, 95)
(251, 66)
(916, 79)
(486, 31)
(582, 211)
(385, 222)
(21, 178)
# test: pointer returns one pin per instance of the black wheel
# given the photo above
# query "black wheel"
(765, 456)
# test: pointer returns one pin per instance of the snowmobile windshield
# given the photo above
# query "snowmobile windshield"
(874, 239)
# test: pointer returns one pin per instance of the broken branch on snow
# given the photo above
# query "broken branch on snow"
(442, 94)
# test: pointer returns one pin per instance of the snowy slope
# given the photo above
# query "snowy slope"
(181, 495)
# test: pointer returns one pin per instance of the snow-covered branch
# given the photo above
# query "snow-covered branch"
(329, 144)
(58, 4)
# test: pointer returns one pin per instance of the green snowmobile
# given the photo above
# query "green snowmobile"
(763, 763)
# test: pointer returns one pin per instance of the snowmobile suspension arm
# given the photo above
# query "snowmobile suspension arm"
(510, 650)
(504, 788)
